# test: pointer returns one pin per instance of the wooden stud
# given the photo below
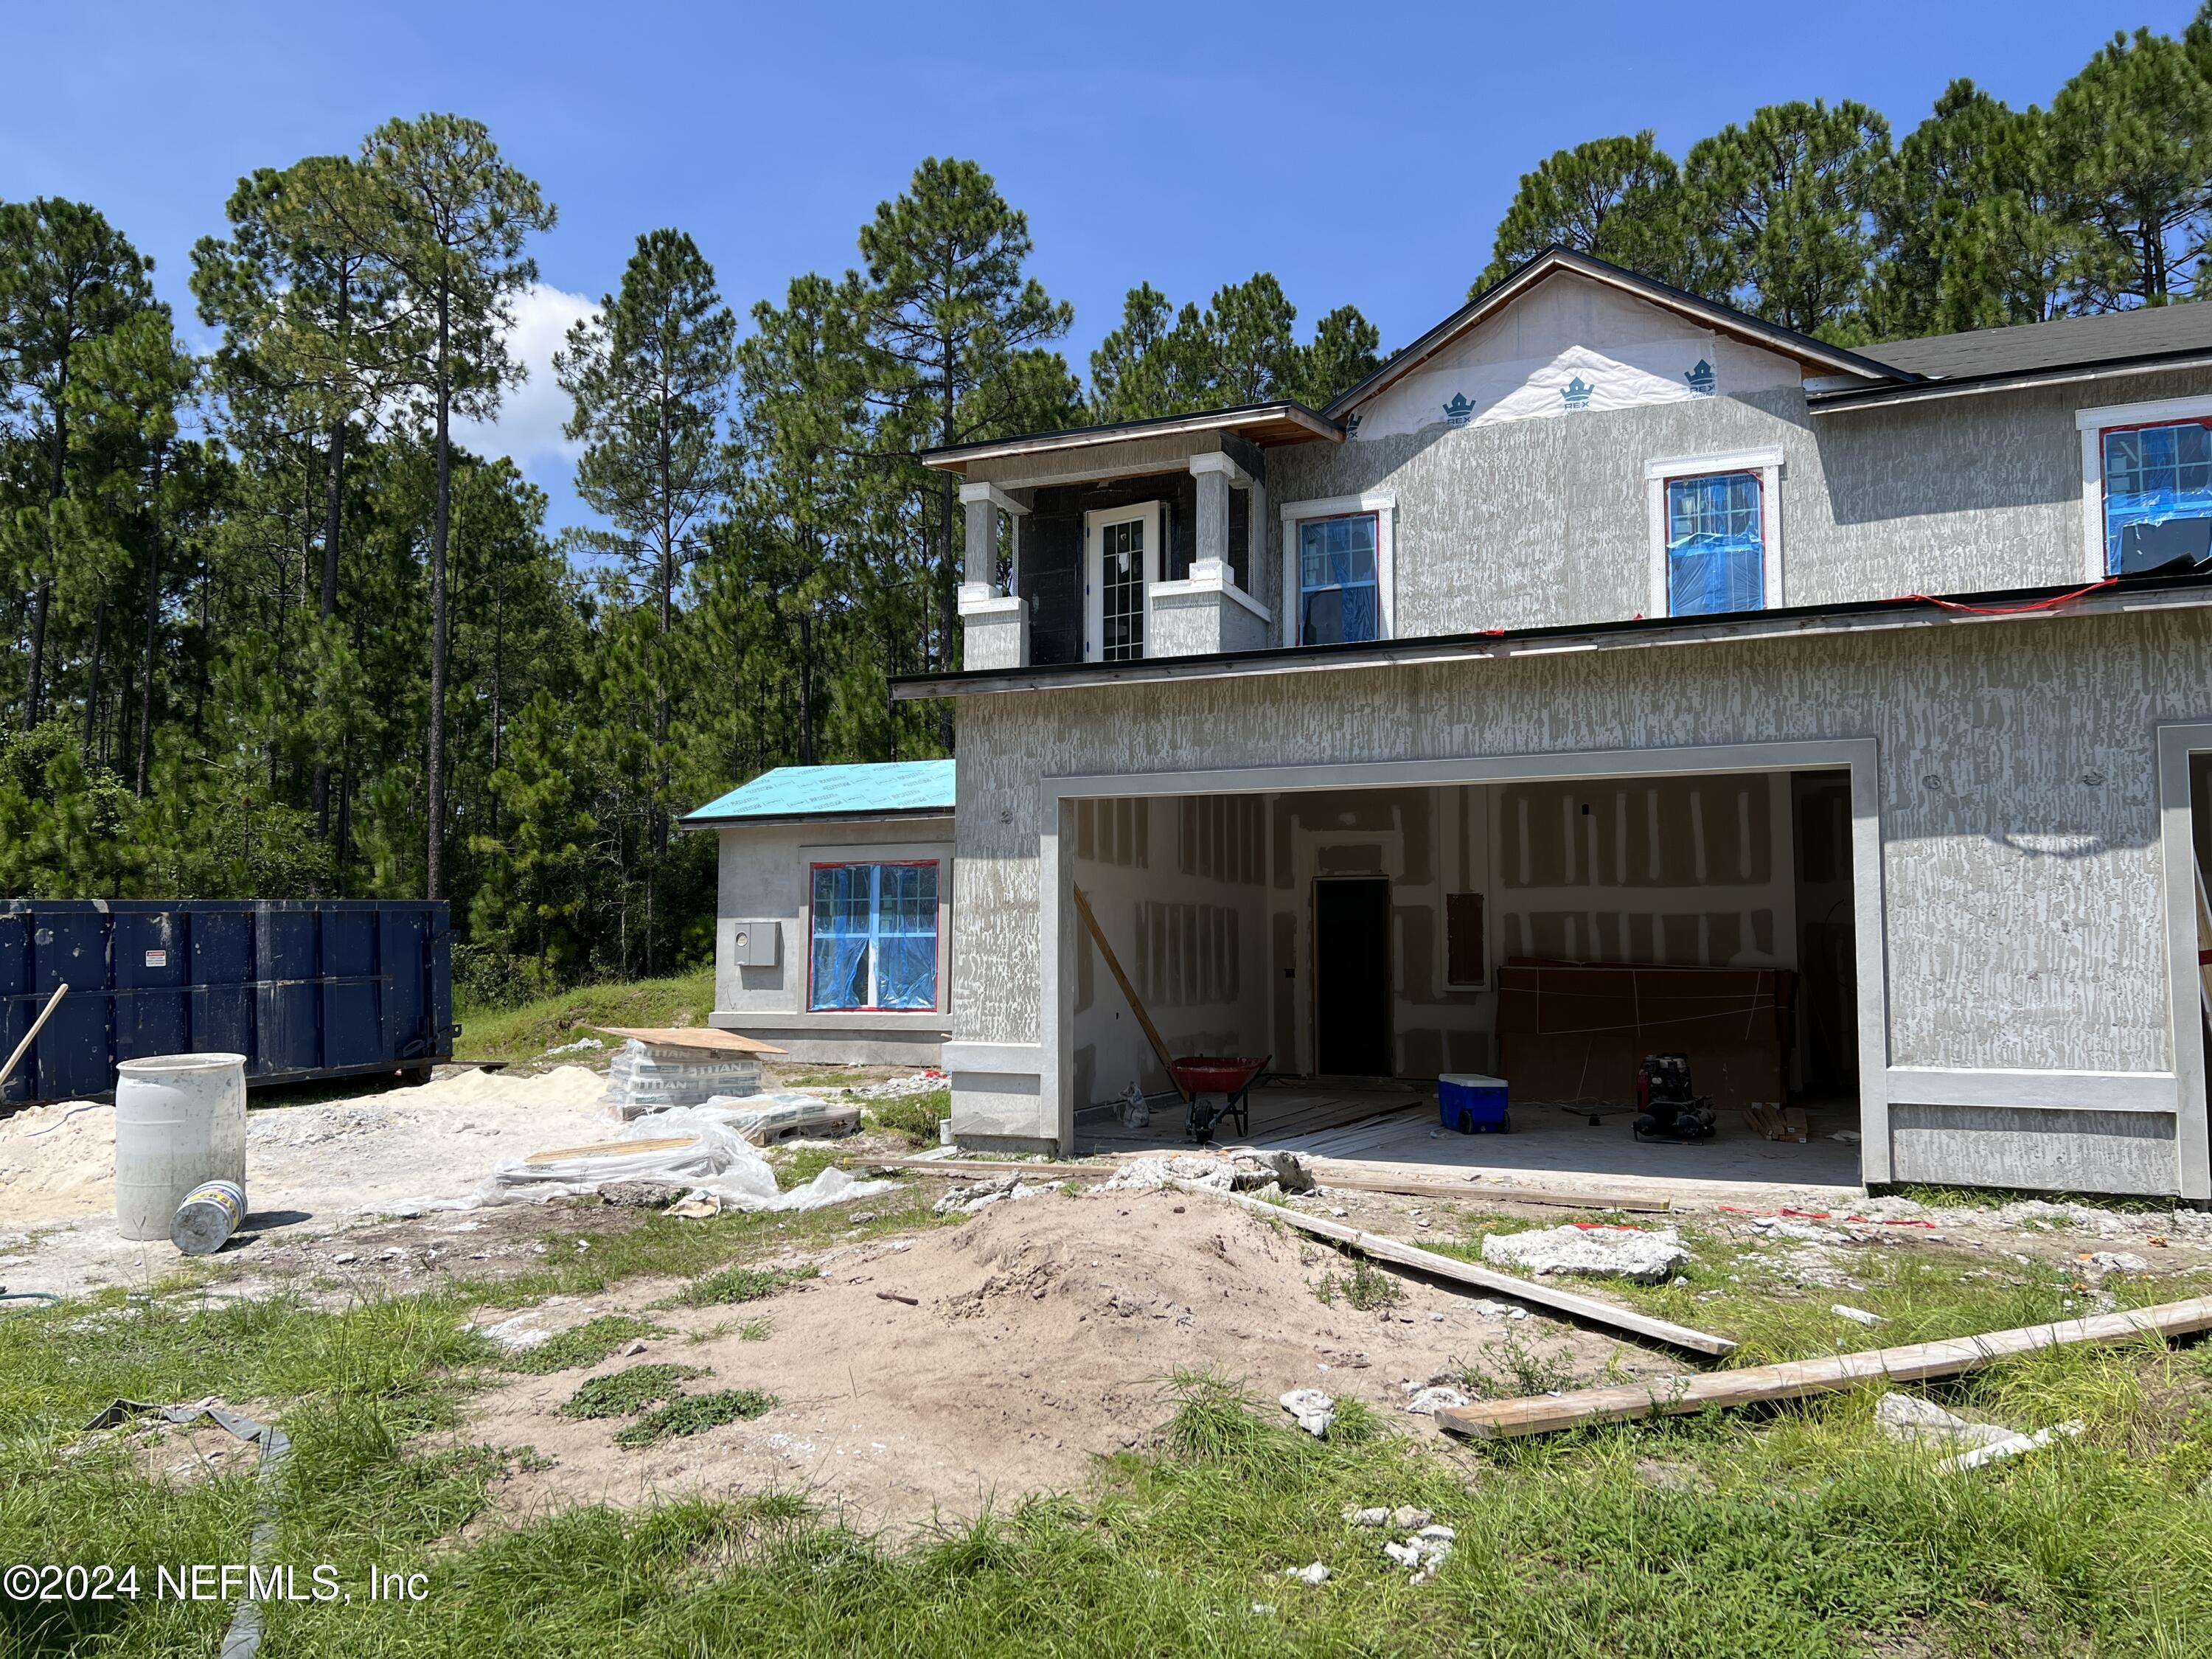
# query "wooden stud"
(1500, 1420)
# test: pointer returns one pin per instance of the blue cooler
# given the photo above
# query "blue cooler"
(1472, 1103)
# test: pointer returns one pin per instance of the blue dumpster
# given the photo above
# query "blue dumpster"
(304, 988)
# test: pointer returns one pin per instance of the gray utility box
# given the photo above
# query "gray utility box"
(752, 944)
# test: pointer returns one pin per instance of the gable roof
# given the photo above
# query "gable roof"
(883, 789)
(2025, 355)
(1553, 261)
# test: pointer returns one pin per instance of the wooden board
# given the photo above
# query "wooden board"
(1571, 1302)
(1500, 1419)
(612, 1148)
(1547, 1196)
(707, 1038)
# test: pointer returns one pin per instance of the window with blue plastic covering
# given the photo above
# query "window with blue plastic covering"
(2158, 495)
(1716, 544)
(874, 937)
(1339, 602)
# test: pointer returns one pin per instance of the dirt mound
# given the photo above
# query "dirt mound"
(1042, 1333)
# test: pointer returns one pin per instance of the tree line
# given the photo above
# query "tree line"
(269, 631)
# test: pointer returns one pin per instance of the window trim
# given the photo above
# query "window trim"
(1384, 506)
(937, 1004)
(1767, 462)
(2092, 424)
(1094, 588)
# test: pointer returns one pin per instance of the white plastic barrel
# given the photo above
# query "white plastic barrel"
(180, 1120)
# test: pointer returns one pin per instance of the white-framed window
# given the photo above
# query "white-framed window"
(1121, 560)
(872, 937)
(1338, 558)
(1715, 528)
(2145, 485)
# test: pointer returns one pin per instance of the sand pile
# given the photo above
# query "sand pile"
(1041, 1334)
(57, 1162)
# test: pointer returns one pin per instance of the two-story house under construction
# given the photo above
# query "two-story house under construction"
(1615, 672)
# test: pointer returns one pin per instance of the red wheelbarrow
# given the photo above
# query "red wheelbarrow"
(1229, 1076)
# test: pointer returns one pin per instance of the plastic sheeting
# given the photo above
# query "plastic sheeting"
(874, 936)
(2158, 495)
(1716, 545)
(717, 1161)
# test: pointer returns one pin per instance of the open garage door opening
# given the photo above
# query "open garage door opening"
(1375, 945)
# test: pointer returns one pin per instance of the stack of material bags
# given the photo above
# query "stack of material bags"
(656, 1070)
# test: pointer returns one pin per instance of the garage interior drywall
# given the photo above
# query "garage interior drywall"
(1209, 903)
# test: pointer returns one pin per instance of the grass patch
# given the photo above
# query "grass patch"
(797, 1168)
(742, 1284)
(583, 1344)
(914, 1116)
(695, 1413)
(626, 1393)
(526, 1032)
(1366, 1288)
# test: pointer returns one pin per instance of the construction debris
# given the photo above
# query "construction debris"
(1856, 1316)
(1497, 1420)
(1914, 1421)
(972, 1199)
(2011, 1446)
(1591, 1251)
(1315, 1410)
(1436, 1397)
(1425, 1552)
(1313, 1574)
(1467, 1273)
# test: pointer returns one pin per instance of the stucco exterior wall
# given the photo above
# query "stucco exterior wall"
(1538, 523)
(2020, 863)
(765, 876)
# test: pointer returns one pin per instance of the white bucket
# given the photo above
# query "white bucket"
(180, 1120)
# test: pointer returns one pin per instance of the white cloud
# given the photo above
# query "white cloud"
(527, 427)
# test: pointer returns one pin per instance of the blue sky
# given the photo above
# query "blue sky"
(1363, 153)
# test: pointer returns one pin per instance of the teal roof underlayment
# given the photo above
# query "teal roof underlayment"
(835, 792)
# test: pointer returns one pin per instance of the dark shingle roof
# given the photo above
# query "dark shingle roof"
(2114, 337)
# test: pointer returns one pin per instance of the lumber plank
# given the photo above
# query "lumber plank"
(612, 1149)
(1500, 1419)
(1553, 1197)
(708, 1039)
(1571, 1302)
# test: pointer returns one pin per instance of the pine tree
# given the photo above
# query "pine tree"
(1780, 215)
(1617, 199)
(951, 314)
(649, 377)
(67, 278)
(2133, 133)
(433, 200)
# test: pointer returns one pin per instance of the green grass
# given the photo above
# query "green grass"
(914, 1116)
(796, 1169)
(695, 1413)
(583, 1344)
(626, 1393)
(741, 1284)
(1366, 1287)
(526, 1032)
(1797, 1530)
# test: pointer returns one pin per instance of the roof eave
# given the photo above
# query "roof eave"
(2190, 591)
(958, 458)
(732, 820)
(2017, 380)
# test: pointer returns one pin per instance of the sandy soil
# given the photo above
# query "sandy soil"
(319, 1166)
(1043, 1334)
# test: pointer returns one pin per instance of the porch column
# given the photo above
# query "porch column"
(1215, 474)
(994, 625)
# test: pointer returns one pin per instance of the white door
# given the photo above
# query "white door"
(1120, 561)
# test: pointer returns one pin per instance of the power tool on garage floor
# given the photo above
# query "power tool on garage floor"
(1667, 1106)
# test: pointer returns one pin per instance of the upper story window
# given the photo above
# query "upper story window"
(873, 937)
(2145, 485)
(1339, 600)
(1336, 571)
(1715, 534)
(1716, 544)
(1121, 560)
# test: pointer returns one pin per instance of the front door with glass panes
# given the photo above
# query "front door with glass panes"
(1120, 563)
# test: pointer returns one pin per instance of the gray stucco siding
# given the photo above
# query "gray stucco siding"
(1539, 523)
(2022, 881)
